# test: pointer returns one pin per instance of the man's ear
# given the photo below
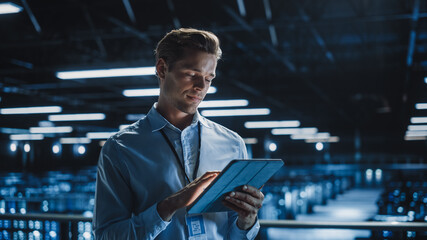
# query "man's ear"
(161, 68)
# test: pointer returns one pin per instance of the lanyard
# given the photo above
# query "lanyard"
(177, 157)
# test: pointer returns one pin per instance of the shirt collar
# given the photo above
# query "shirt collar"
(158, 122)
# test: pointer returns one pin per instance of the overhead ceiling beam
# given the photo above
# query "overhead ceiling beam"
(97, 38)
(175, 19)
(130, 29)
(32, 17)
(271, 28)
(316, 34)
(129, 11)
(242, 8)
(413, 33)
(268, 47)
(285, 61)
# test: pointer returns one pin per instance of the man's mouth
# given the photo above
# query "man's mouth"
(194, 98)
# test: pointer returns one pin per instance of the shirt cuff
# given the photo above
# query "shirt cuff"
(157, 224)
(237, 233)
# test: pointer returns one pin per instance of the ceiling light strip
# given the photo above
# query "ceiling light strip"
(236, 112)
(62, 129)
(224, 103)
(19, 137)
(417, 127)
(31, 110)
(418, 119)
(77, 117)
(272, 124)
(6, 8)
(420, 106)
(99, 135)
(292, 131)
(102, 73)
(75, 140)
(149, 92)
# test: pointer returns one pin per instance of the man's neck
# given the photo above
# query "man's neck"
(179, 119)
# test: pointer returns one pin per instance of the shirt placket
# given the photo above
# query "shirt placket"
(187, 140)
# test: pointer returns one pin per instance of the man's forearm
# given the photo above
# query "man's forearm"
(166, 209)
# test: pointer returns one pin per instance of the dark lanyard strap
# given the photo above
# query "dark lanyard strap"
(196, 168)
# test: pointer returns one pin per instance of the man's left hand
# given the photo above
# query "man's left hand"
(246, 203)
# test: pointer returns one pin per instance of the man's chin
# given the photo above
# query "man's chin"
(189, 109)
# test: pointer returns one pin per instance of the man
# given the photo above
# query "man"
(151, 171)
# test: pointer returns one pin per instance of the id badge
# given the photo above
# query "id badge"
(196, 227)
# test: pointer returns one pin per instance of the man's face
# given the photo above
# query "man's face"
(186, 84)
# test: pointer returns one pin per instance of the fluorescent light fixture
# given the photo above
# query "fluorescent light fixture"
(224, 103)
(14, 131)
(236, 112)
(417, 127)
(332, 139)
(323, 135)
(272, 124)
(250, 140)
(418, 119)
(77, 117)
(425, 80)
(64, 129)
(420, 106)
(19, 137)
(123, 126)
(74, 140)
(141, 92)
(31, 110)
(148, 92)
(292, 131)
(134, 117)
(415, 133)
(415, 138)
(9, 7)
(99, 135)
(111, 72)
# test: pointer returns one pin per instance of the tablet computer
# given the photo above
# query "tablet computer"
(253, 172)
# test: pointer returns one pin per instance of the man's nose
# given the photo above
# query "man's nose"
(199, 83)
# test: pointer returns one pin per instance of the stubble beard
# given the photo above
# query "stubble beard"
(186, 108)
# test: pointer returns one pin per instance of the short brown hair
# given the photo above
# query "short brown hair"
(172, 47)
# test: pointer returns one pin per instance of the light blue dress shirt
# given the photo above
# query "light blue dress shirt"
(137, 169)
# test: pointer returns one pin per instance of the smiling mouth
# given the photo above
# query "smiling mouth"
(194, 98)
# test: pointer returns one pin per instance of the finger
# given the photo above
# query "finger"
(253, 191)
(234, 207)
(242, 205)
(206, 175)
(247, 198)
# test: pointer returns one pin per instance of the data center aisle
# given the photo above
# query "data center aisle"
(353, 205)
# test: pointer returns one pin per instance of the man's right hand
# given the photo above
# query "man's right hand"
(185, 196)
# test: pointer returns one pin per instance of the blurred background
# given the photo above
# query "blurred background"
(337, 89)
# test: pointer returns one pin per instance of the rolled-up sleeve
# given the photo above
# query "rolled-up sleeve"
(113, 216)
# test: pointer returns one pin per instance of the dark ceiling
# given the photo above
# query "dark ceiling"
(353, 68)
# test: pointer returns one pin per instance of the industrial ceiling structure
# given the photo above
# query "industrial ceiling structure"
(354, 69)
